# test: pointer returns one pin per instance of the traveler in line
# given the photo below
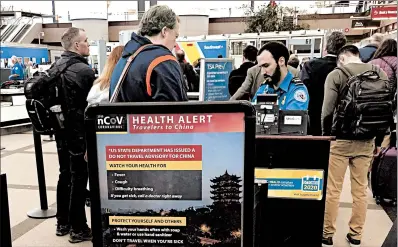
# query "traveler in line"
(293, 61)
(303, 61)
(29, 70)
(367, 52)
(238, 76)
(349, 150)
(314, 74)
(154, 74)
(100, 90)
(386, 58)
(189, 74)
(71, 143)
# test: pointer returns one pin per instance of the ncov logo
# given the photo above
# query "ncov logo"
(112, 122)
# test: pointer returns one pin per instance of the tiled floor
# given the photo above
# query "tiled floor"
(18, 162)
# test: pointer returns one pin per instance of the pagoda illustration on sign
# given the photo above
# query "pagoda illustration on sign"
(226, 189)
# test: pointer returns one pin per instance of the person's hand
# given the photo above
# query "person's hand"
(85, 156)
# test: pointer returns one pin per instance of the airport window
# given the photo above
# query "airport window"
(239, 46)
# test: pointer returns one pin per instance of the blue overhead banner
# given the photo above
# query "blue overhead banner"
(214, 79)
(30, 52)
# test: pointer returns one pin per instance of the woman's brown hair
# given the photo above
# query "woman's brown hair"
(105, 78)
(387, 48)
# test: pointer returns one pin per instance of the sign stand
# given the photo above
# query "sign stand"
(43, 212)
(158, 173)
(296, 169)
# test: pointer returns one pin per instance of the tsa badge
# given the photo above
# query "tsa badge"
(310, 183)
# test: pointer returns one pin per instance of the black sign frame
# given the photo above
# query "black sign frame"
(365, 24)
(173, 108)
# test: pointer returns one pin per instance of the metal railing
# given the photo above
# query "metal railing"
(24, 30)
(10, 29)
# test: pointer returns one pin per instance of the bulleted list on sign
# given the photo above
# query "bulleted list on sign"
(157, 172)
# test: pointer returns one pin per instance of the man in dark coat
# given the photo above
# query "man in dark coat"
(71, 143)
(238, 76)
(313, 75)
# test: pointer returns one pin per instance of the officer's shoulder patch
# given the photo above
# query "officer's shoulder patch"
(297, 81)
(300, 95)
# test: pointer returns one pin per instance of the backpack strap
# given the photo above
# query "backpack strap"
(152, 66)
(345, 71)
(124, 72)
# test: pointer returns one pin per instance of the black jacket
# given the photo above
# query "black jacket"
(313, 75)
(154, 75)
(77, 80)
(190, 74)
(238, 76)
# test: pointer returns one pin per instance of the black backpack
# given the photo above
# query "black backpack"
(365, 106)
(43, 91)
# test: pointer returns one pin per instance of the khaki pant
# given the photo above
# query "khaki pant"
(357, 155)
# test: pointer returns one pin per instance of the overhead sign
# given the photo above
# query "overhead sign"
(202, 49)
(384, 12)
(365, 24)
(292, 183)
(214, 77)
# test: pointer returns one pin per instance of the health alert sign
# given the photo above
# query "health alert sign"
(292, 183)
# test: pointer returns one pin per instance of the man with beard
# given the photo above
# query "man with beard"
(292, 93)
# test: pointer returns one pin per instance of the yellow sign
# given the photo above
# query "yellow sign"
(292, 183)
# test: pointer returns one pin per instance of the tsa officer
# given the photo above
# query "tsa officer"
(17, 70)
(292, 93)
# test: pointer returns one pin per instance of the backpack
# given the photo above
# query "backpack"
(365, 106)
(43, 91)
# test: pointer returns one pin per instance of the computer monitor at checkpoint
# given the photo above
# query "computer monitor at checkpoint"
(270, 120)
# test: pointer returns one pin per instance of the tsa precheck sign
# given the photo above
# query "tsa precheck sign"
(292, 183)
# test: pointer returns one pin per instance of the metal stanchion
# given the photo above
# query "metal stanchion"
(43, 212)
(5, 237)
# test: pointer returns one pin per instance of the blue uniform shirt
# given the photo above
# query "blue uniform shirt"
(17, 69)
(291, 95)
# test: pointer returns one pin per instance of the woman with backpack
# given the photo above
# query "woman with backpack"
(100, 90)
(386, 58)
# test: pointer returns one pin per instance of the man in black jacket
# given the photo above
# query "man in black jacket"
(314, 74)
(71, 144)
(238, 76)
(188, 72)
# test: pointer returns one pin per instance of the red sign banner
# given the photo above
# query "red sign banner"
(384, 12)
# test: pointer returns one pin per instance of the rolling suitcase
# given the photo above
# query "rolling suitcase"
(384, 176)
